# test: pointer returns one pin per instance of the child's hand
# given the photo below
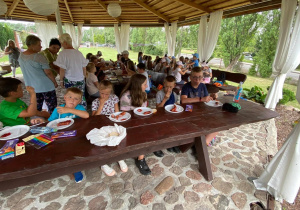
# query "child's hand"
(30, 90)
(37, 121)
(206, 99)
(168, 94)
(103, 100)
(62, 110)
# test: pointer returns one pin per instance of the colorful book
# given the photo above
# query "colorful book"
(8, 150)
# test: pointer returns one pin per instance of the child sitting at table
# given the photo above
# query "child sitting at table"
(195, 91)
(178, 71)
(141, 69)
(165, 97)
(107, 104)
(71, 109)
(92, 81)
(14, 111)
(134, 95)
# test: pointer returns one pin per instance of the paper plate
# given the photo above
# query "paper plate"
(15, 132)
(213, 103)
(179, 109)
(123, 118)
(53, 124)
(141, 110)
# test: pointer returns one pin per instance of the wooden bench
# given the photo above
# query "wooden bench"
(229, 76)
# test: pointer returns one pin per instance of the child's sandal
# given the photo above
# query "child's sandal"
(108, 170)
(123, 166)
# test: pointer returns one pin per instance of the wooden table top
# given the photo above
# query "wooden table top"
(143, 133)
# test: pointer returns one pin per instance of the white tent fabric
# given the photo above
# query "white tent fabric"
(171, 37)
(287, 56)
(122, 36)
(46, 30)
(281, 177)
(208, 34)
(76, 38)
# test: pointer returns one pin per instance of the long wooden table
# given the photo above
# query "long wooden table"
(144, 135)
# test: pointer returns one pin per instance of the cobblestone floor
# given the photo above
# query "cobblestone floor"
(238, 154)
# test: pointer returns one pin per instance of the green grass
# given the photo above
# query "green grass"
(248, 61)
(188, 51)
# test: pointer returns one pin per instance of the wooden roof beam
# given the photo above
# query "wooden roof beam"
(12, 8)
(102, 4)
(69, 11)
(194, 5)
(155, 12)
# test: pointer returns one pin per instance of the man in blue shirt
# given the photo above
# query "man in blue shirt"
(195, 91)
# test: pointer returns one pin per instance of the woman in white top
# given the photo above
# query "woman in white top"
(178, 71)
(72, 66)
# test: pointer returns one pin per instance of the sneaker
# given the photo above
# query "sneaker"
(108, 170)
(158, 153)
(143, 167)
(78, 176)
(176, 150)
(170, 149)
(123, 166)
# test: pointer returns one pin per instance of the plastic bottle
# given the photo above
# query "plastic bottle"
(42, 130)
(238, 93)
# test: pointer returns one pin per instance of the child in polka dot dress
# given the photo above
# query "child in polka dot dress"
(106, 105)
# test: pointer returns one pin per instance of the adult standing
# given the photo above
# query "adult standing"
(13, 54)
(51, 54)
(72, 66)
(128, 63)
(37, 73)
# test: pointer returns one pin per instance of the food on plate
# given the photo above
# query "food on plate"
(5, 135)
(123, 119)
(148, 112)
(67, 122)
(114, 133)
(154, 111)
(139, 110)
(174, 109)
(118, 116)
(217, 102)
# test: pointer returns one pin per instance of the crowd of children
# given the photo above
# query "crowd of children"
(13, 111)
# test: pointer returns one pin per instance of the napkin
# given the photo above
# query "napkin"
(100, 137)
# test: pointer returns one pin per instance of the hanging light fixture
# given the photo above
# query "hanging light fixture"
(114, 10)
(3, 7)
(45, 7)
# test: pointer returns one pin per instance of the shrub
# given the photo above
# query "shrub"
(287, 95)
(252, 71)
(153, 50)
(255, 94)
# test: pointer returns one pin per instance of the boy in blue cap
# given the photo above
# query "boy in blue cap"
(195, 61)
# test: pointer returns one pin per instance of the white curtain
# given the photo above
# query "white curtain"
(46, 30)
(287, 56)
(208, 34)
(281, 177)
(76, 37)
(122, 36)
(171, 37)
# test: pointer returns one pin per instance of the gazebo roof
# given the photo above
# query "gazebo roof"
(140, 12)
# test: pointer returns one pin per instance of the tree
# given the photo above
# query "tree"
(267, 42)
(236, 34)
(6, 33)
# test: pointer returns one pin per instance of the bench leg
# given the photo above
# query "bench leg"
(203, 158)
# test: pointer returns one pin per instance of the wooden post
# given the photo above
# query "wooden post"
(58, 21)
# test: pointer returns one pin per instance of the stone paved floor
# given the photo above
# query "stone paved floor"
(238, 154)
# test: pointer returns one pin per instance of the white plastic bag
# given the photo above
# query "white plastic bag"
(100, 137)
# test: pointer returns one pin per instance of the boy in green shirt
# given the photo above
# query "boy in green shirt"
(14, 111)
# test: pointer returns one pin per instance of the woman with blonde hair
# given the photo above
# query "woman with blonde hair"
(13, 54)
(72, 66)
